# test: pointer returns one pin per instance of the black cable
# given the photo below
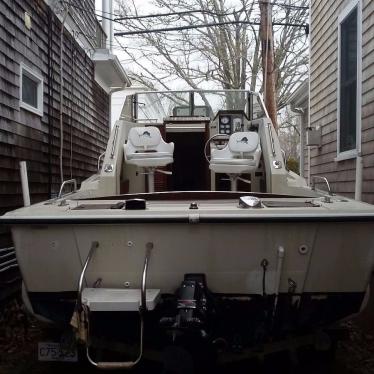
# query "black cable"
(189, 27)
(185, 12)
(155, 15)
(287, 6)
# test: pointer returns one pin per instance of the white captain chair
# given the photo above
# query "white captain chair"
(145, 148)
(241, 155)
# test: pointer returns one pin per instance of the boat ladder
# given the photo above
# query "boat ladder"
(115, 300)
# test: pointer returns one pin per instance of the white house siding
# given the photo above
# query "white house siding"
(323, 97)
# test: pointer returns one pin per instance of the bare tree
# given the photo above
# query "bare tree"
(289, 135)
(226, 56)
(291, 55)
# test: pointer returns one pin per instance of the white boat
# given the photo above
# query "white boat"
(194, 234)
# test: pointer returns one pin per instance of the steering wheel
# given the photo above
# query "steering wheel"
(217, 139)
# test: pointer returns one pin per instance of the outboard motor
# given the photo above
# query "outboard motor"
(188, 327)
(192, 308)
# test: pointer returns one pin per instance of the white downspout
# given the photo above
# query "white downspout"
(309, 166)
(25, 183)
(358, 185)
(107, 11)
(302, 145)
(111, 39)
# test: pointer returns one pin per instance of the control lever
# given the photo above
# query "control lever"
(164, 171)
(244, 180)
(238, 178)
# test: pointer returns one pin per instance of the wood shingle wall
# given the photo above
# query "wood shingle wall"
(323, 97)
(27, 136)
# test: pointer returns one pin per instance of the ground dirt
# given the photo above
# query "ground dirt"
(19, 335)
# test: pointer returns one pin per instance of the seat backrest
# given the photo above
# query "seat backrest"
(144, 138)
(243, 142)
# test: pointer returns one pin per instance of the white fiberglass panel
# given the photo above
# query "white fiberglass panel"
(319, 257)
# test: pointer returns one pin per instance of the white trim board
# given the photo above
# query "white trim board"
(36, 77)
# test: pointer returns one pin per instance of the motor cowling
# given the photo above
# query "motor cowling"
(192, 306)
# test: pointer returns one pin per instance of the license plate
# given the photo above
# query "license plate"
(49, 351)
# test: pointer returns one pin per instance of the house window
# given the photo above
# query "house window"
(349, 84)
(31, 90)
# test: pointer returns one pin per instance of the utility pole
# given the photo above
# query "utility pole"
(267, 54)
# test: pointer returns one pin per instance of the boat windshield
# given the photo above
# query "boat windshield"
(155, 106)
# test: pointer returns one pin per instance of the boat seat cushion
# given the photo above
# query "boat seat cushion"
(145, 137)
(243, 142)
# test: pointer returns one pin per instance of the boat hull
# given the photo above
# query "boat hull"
(318, 258)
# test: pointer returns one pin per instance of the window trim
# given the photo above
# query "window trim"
(351, 153)
(36, 77)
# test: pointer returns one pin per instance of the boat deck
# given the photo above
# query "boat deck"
(208, 210)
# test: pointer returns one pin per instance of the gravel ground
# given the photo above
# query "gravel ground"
(19, 336)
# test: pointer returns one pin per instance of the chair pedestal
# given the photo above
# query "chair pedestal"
(233, 182)
(151, 179)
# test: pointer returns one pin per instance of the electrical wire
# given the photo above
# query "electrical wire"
(287, 6)
(190, 27)
(155, 15)
(181, 13)
(187, 27)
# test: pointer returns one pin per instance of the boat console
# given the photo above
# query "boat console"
(217, 136)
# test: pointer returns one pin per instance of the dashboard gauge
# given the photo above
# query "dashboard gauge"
(225, 120)
(237, 121)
